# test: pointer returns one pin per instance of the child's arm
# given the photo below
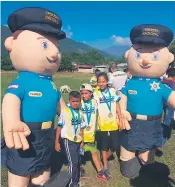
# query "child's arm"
(82, 136)
(82, 127)
(118, 110)
(60, 106)
(57, 138)
(58, 132)
(119, 114)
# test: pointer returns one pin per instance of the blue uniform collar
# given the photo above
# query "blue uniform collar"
(35, 75)
(144, 78)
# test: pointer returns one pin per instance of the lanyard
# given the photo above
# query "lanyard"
(88, 113)
(75, 121)
(107, 103)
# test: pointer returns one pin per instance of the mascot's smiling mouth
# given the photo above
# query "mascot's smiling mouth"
(51, 61)
(145, 67)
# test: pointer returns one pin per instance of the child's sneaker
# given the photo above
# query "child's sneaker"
(107, 174)
(101, 175)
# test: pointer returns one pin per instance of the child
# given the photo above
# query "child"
(169, 112)
(70, 126)
(108, 110)
(93, 81)
(89, 109)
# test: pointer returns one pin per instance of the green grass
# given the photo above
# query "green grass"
(74, 81)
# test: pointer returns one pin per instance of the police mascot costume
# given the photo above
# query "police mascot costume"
(143, 95)
(32, 100)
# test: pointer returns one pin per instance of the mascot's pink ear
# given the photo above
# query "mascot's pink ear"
(126, 54)
(8, 43)
(171, 57)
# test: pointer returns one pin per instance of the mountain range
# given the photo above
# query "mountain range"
(68, 46)
(117, 50)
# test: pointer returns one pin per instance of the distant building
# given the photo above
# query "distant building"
(85, 68)
(102, 68)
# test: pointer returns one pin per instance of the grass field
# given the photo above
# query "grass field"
(167, 159)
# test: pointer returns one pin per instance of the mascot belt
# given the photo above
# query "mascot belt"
(145, 117)
(40, 125)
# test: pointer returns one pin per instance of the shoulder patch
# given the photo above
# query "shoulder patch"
(13, 86)
(54, 86)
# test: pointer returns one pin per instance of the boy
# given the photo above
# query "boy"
(89, 109)
(70, 126)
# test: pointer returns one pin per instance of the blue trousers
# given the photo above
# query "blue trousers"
(73, 155)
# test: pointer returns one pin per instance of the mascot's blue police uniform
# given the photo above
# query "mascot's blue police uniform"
(146, 134)
(145, 98)
(39, 100)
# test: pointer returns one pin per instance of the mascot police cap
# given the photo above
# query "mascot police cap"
(46, 21)
(151, 34)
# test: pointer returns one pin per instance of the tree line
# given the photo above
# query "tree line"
(68, 59)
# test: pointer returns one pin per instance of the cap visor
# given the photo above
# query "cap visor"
(149, 40)
(46, 29)
(61, 35)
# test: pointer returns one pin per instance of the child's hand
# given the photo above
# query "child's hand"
(82, 145)
(57, 147)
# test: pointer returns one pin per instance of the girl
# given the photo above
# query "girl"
(108, 110)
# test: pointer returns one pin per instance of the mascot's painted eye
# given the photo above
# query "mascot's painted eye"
(155, 56)
(138, 55)
(45, 45)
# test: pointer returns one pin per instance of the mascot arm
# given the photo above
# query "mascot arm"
(171, 99)
(125, 113)
(61, 106)
(15, 131)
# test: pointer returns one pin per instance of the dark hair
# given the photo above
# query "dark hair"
(171, 72)
(103, 74)
(125, 70)
(97, 70)
(110, 70)
(75, 94)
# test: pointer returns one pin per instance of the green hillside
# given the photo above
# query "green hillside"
(66, 45)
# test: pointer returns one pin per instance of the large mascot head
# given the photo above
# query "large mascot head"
(149, 55)
(33, 45)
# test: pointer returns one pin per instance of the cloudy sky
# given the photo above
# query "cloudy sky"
(101, 24)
